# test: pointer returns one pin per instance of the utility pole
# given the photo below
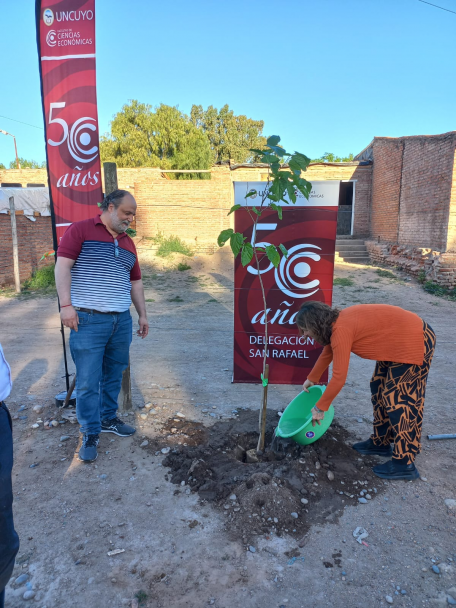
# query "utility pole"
(15, 147)
(125, 401)
(17, 278)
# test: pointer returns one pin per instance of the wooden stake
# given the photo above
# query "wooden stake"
(70, 392)
(260, 446)
(124, 401)
(17, 278)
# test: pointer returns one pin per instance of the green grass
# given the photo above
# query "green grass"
(141, 596)
(176, 299)
(171, 244)
(193, 279)
(209, 301)
(43, 278)
(437, 290)
(150, 300)
(182, 266)
(344, 282)
(386, 274)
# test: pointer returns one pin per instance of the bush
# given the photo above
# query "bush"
(171, 244)
(42, 278)
(182, 266)
(343, 282)
(438, 290)
(386, 274)
(421, 277)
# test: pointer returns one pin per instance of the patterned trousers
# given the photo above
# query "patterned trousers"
(398, 391)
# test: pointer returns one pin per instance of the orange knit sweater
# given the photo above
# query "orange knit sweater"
(372, 331)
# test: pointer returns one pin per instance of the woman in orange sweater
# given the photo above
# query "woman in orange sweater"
(403, 345)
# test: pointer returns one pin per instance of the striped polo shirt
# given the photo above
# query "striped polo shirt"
(100, 279)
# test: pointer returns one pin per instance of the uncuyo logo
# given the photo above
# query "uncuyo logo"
(48, 16)
(292, 271)
(51, 38)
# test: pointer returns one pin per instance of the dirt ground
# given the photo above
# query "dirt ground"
(186, 545)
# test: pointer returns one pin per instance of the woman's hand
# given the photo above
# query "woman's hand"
(317, 415)
(306, 385)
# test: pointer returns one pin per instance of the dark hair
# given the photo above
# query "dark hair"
(319, 319)
(115, 198)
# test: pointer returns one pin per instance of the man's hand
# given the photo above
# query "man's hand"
(306, 385)
(317, 416)
(143, 327)
(69, 317)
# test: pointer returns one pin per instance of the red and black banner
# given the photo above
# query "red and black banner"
(66, 50)
(308, 231)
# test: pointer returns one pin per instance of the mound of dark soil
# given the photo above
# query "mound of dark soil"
(286, 490)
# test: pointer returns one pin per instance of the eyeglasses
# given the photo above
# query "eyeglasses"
(116, 248)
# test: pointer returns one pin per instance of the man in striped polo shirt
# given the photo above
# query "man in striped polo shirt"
(97, 277)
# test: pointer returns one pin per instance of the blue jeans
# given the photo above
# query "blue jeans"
(9, 540)
(100, 350)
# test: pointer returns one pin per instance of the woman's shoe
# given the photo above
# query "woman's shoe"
(368, 447)
(394, 470)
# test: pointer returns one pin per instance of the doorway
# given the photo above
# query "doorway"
(345, 212)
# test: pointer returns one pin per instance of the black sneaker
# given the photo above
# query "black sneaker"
(88, 451)
(368, 447)
(394, 470)
(118, 427)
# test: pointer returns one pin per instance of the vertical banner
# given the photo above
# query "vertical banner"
(66, 50)
(308, 231)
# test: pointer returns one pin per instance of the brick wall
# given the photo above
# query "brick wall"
(34, 239)
(412, 190)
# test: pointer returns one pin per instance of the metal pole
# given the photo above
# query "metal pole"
(432, 437)
(17, 278)
(15, 149)
(124, 401)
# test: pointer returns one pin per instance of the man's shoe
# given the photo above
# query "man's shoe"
(394, 470)
(118, 427)
(368, 447)
(88, 451)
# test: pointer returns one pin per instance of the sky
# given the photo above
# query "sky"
(326, 75)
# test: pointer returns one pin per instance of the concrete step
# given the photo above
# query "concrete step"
(355, 259)
(350, 247)
(349, 241)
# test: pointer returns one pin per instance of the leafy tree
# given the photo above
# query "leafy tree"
(230, 136)
(2, 166)
(142, 136)
(329, 157)
(284, 179)
(27, 164)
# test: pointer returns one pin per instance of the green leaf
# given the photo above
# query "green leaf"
(250, 193)
(257, 151)
(270, 159)
(273, 255)
(302, 160)
(224, 236)
(294, 166)
(284, 250)
(273, 140)
(246, 254)
(255, 210)
(277, 208)
(279, 151)
(291, 192)
(234, 208)
(236, 242)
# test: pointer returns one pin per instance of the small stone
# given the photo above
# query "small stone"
(180, 415)
(165, 450)
(28, 595)
(37, 408)
(330, 475)
(64, 438)
(359, 420)
(21, 579)
(91, 580)
(204, 411)
(251, 456)
(369, 497)
(232, 497)
(424, 479)
(103, 476)
(389, 599)
(304, 501)
(317, 465)
(113, 580)
(252, 549)
(143, 416)
(141, 405)
(362, 500)
(403, 592)
(435, 569)
(34, 465)
(144, 444)
(450, 503)
(35, 426)
(54, 423)
(295, 515)
(276, 521)
(451, 600)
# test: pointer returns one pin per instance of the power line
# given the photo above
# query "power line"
(22, 123)
(441, 7)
